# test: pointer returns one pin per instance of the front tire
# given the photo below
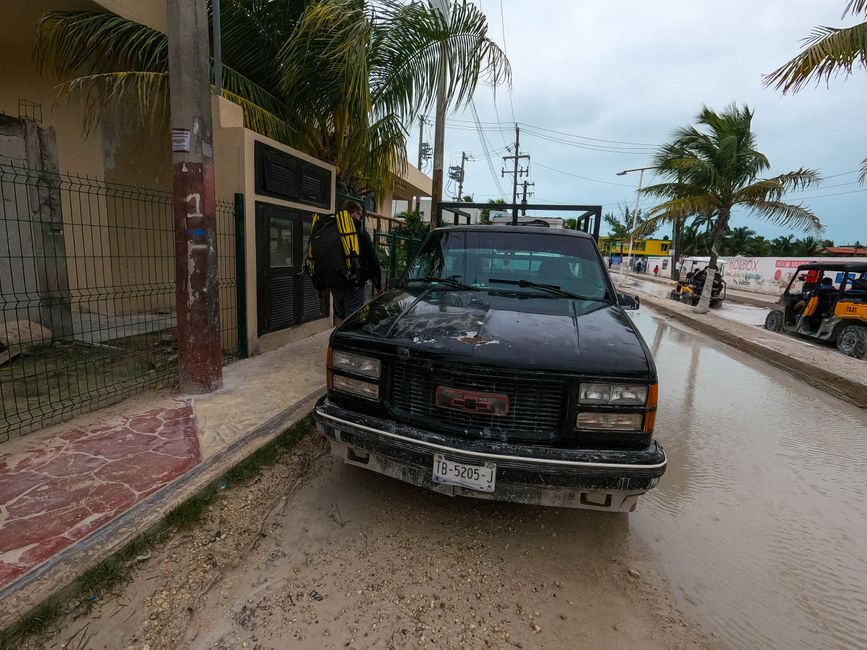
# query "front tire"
(774, 321)
(852, 341)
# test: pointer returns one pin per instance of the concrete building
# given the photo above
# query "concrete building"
(117, 152)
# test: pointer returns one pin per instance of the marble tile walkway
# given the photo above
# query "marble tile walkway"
(56, 491)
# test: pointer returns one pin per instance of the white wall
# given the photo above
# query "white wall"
(769, 275)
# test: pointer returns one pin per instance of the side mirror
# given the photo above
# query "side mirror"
(628, 302)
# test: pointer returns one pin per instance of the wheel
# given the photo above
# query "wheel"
(674, 295)
(853, 341)
(696, 300)
(715, 303)
(774, 321)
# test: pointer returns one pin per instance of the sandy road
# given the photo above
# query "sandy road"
(317, 554)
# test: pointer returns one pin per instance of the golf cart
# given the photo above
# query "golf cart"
(830, 304)
(689, 291)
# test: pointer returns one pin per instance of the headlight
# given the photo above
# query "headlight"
(613, 394)
(355, 363)
(355, 387)
(610, 421)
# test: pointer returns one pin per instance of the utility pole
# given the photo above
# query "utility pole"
(439, 144)
(516, 173)
(524, 200)
(198, 312)
(457, 174)
(420, 139)
(634, 213)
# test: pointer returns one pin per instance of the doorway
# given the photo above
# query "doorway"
(285, 295)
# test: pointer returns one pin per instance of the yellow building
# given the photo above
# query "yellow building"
(642, 247)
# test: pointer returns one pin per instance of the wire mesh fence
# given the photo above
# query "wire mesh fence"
(87, 294)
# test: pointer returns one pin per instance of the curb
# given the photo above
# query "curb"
(30, 590)
(839, 386)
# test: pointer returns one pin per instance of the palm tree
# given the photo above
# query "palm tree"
(719, 172)
(737, 240)
(827, 52)
(620, 228)
(759, 246)
(387, 57)
(806, 247)
(784, 246)
(694, 240)
(337, 79)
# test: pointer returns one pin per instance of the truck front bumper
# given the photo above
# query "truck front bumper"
(595, 479)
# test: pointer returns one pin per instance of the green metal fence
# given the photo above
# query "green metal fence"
(396, 250)
(87, 294)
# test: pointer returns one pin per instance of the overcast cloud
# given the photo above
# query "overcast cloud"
(634, 71)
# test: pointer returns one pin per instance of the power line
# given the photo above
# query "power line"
(506, 52)
(822, 196)
(486, 149)
(584, 178)
(508, 126)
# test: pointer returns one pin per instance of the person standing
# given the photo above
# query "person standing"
(341, 259)
(370, 269)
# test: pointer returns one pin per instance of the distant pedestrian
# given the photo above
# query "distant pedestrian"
(656, 270)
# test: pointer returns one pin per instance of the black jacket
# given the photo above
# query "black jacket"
(370, 269)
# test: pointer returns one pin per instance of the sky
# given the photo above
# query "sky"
(614, 79)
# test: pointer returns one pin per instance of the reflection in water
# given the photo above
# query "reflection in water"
(760, 522)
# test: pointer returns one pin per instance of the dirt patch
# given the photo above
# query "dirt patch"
(312, 553)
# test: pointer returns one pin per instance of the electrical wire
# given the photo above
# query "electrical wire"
(506, 52)
(584, 178)
(486, 149)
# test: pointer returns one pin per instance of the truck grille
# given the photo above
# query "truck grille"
(535, 405)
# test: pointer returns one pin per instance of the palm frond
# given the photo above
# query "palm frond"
(254, 31)
(259, 119)
(419, 47)
(855, 7)
(144, 94)
(828, 51)
(786, 214)
(862, 178)
(68, 42)
(677, 208)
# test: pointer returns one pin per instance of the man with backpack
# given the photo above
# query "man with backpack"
(341, 259)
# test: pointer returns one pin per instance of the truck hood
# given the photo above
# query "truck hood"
(501, 329)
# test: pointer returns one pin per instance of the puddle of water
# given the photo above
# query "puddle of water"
(760, 521)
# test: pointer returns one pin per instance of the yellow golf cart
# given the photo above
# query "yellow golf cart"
(827, 302)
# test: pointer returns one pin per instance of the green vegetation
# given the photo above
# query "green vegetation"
(118, 569)
(828, 51)
(714, 167)
(337, 79)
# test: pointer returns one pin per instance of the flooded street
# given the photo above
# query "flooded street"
(759, 523)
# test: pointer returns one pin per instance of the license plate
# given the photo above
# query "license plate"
(474, 477)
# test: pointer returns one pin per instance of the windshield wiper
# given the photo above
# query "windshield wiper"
(550, 288)
(449, 282)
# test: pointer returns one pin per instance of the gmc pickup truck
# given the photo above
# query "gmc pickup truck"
(501, 366)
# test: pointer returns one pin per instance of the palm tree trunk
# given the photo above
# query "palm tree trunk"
(719, 231)
(675, 242)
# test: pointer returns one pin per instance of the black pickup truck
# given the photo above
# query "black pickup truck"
(502, 366)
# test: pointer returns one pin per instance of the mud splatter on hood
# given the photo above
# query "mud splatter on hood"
(503, 330)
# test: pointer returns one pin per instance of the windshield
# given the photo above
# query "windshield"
(477, 257)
